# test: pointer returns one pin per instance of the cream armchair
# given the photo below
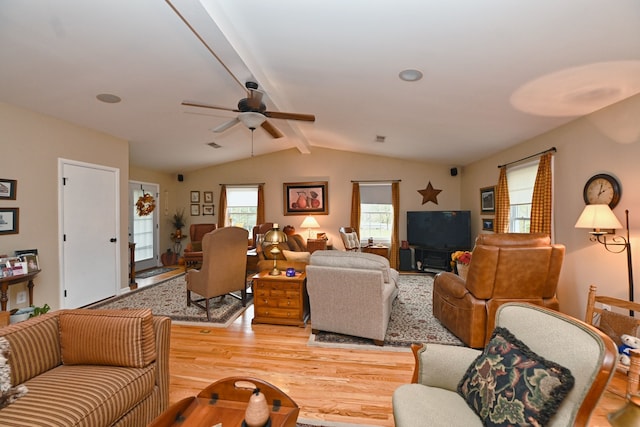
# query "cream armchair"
(224, 267)
(351, 293)
(432, 399)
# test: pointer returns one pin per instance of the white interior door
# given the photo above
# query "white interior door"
(90, 228)
(143, 230)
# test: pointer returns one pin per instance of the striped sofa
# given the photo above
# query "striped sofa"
(89, 368)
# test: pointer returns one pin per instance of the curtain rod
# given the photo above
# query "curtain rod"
(378, 180)
(550, 150)
(241, 185)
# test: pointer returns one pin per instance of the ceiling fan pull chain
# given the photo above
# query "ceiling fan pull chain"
(252, 129)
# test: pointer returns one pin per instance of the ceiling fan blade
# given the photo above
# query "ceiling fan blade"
(290, 116)
(255, 99)
(273, 131)
(226, 125)
(195, 104)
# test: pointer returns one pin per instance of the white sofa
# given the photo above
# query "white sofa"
(351, 293)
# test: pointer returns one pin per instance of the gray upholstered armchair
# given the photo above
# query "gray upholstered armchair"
(432, 398)
(224, 267)
(351, 293)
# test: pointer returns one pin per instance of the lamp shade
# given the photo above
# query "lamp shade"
(597, 217)
(274, 236)
(252, 119)
(310, 222)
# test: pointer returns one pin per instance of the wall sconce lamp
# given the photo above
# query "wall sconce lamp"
(601, 219)
(309, 223)
(273, 237)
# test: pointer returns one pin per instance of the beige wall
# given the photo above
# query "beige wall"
(339, 168)
(32, 145)
(586, 146)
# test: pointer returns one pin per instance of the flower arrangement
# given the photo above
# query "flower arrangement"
(463, 257)
(178, 220)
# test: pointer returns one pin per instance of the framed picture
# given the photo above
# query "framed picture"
(303, 198)
(195, 210)
(8, 189)
(195, 197)
(207, 209)
(21, 252)
(487, 224)
(488, 199)
(32, 262)
(9, 220)
(208, 196)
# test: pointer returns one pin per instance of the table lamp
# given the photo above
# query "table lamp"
(309, 223)
(272, 238)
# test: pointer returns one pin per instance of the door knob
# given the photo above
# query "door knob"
(113, 240)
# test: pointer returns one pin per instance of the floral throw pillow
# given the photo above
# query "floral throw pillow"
(8, 394)
(508, 384)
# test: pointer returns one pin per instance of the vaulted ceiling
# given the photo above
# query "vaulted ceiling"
(495, 72)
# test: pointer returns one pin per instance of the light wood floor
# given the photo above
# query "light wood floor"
(350, 386)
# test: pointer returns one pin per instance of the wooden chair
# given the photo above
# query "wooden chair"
(615, 321)
(350, 238)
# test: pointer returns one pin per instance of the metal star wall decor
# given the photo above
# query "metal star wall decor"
(429, 194)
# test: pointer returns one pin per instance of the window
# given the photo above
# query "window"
(242, 206)
(376, 212)
(521, 180)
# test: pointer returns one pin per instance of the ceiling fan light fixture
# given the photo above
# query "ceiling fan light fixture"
(251, 119)
(410, 75)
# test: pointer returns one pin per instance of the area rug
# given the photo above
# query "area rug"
(411, 321)
(169, 298)
(153, 272)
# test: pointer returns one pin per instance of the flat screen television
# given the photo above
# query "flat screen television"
(439, 229)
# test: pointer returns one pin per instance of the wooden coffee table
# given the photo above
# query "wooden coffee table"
(224, 402)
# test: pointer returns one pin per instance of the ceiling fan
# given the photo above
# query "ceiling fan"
(253, 113)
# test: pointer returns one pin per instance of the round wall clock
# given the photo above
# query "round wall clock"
(602, 189)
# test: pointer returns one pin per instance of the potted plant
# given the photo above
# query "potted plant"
(461, 261)
(178, 221)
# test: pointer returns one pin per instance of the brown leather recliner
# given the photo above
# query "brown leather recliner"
(504, 267)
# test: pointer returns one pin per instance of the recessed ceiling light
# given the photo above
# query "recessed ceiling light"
(410, 75)
(108, 98)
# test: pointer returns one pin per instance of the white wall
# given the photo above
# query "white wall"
(31, 146)
(607, 141)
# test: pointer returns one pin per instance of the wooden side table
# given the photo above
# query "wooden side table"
(280, 300)
(378, 250)
(225, 402)
(5, 282)
(316, 245)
